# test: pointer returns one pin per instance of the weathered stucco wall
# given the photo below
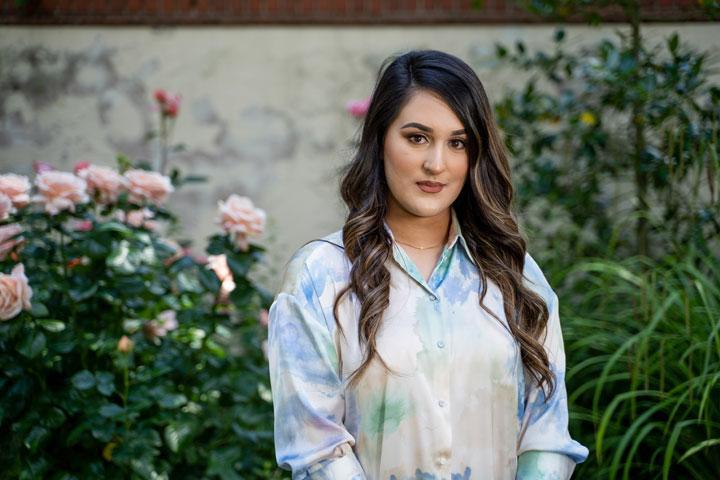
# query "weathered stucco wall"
(263, 108)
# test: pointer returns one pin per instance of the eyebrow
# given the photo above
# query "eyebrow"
(427, 129)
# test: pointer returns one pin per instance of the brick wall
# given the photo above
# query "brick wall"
(238, 12)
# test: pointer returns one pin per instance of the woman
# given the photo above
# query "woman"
(421, 341)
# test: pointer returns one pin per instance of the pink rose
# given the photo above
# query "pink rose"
(80, 166)
(80, 225)
(239, 217)
(358, 108)
(7, 242)
(104, 182)
(146, 185)
(60, 191)
(218, 264)
(169, 104)
(42, 167)
(6, 207)
(17, 188)
(15, 293)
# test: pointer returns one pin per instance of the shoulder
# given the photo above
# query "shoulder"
(317, 262)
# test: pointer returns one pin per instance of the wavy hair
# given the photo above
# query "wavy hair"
(483, 206)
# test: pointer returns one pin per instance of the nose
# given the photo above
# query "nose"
(434, 161)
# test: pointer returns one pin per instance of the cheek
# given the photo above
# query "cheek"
(400, 160)
(460, 169)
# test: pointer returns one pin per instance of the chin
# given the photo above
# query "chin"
(420, 210)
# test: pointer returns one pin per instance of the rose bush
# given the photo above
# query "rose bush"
(122, 353)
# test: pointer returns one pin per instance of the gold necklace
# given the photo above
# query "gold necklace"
(431, 246)
(419, 248)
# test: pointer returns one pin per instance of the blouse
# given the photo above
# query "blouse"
(457, 405)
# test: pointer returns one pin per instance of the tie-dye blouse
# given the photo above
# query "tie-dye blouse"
(459, 404)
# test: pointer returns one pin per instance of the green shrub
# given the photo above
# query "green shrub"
(134, 359)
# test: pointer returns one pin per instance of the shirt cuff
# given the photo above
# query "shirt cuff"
(537, 465)
(344, 467)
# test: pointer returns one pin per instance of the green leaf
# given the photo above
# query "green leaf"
(105, 383)
(120, 258)
(170, 400)
(115, 227)
(38, 310)
(53, 418)
(111, 410)
(83, 292)
(32, 345)
(176, 434)
(239, 265)
(673, 43)
(52, 325)
(35, 437)
(83, 380)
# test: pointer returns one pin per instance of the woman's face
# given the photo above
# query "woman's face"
(425, 156)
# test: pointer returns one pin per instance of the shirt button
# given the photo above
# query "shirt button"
(442, 461)
(442, 403)
(441, 344)
(433, 298)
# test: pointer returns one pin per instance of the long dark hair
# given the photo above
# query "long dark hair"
(483, 206)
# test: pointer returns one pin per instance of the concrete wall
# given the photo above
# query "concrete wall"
(263, 107)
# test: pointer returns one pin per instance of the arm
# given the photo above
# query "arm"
(545, 448)
(308, 400)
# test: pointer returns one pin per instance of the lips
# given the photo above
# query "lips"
(430, 187)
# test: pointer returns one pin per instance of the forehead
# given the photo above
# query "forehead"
(429, 109)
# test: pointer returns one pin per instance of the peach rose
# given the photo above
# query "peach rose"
(15, 292)
(7, 243)
(17, 188)
(125, 345)
(264, 317)
(60, 191)
(165, 322)
(6, 207)
(239, 217)
(104, 182)
(218, 264)
(137, 218)
(146, 185)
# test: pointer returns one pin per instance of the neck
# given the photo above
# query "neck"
(419, 231)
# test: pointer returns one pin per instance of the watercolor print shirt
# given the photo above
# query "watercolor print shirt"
(459, 405)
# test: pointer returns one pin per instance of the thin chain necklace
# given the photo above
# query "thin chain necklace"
(419, 248)
(431, 246)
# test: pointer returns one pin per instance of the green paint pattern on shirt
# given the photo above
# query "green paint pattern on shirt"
(384, 414)
(530, 467)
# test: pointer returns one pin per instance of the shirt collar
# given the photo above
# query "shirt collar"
(455, 235)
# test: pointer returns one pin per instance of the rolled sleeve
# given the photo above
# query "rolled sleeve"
(545, 447)
(307, 391)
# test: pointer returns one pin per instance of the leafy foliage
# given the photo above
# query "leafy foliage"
(132, 362)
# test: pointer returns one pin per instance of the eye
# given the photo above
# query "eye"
(457, 144)
(417, 139)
